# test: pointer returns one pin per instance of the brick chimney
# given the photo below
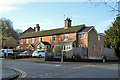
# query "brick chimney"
(37, 28)
(67, 23)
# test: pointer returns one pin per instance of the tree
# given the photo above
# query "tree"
(113, 8)
(112, 36)
(7, 29)
(10, 43)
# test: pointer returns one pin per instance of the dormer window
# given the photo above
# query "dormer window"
(81, 36)
(66, 37)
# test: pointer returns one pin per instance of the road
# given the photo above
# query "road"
(65, 70)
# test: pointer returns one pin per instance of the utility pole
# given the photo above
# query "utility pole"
(62, 57)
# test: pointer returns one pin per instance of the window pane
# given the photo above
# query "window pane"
(66, 36)
(26, 40)
(53, 38)
(81, 36)
(98, 37)
(40, 39)
(21, 41)
(32, 40)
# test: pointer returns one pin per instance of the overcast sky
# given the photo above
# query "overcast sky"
(50, 15)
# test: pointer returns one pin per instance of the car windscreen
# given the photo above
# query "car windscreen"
(9, 50)
(3, 51)
(41, 51)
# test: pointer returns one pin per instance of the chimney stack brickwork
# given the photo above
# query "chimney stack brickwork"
(37, 28)
(67, 23)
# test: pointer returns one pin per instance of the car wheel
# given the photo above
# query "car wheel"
(40, 56)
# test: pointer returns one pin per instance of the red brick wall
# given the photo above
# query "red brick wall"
(83, 41)
(58, 38)
(93, 40)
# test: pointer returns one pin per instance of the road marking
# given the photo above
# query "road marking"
(91, 65)
(57, 65)
(22, 74)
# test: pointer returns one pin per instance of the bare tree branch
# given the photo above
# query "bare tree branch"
(106, 3)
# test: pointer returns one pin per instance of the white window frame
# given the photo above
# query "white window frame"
(32, 40)
(66, 37)
(26, 40)
(81, 36)
(40, 39)
(66, 47)
(63, 48)
(100, 48)
(54, 38)
(93, 47)
(81, 45)
(99, 37)
(21, 41)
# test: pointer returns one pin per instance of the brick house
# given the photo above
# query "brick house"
(67, 37)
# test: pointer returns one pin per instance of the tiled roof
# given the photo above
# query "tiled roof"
(45, 43)
(52, 32)
(28, 30)
(86, 29)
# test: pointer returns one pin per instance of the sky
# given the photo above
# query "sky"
(51, 15)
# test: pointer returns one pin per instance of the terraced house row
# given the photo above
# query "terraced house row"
(68, 37)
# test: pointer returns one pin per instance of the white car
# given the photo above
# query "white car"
(24, 53)
(5, 51)
(1, 54)
(38, 53)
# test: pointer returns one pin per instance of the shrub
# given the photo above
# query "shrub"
(57, 49)
(49, 50)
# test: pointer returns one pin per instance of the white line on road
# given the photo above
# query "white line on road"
(91, 65)
(57, 65)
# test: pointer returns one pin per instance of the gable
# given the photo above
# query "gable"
(28, 30)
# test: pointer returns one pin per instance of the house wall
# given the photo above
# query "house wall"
(58, 38)
(83, 41)
(93, 41)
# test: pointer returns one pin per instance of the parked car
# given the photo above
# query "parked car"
(38, 53)
(1, 54)
(7, 51)
(25, 53)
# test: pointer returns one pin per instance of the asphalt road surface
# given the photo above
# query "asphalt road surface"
(65, 70)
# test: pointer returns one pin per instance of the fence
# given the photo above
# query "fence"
(110, 54)
(80, 53)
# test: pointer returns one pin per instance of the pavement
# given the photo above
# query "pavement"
(9, 73)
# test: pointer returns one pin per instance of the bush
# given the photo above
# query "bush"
(57, 49)
(49, 50)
